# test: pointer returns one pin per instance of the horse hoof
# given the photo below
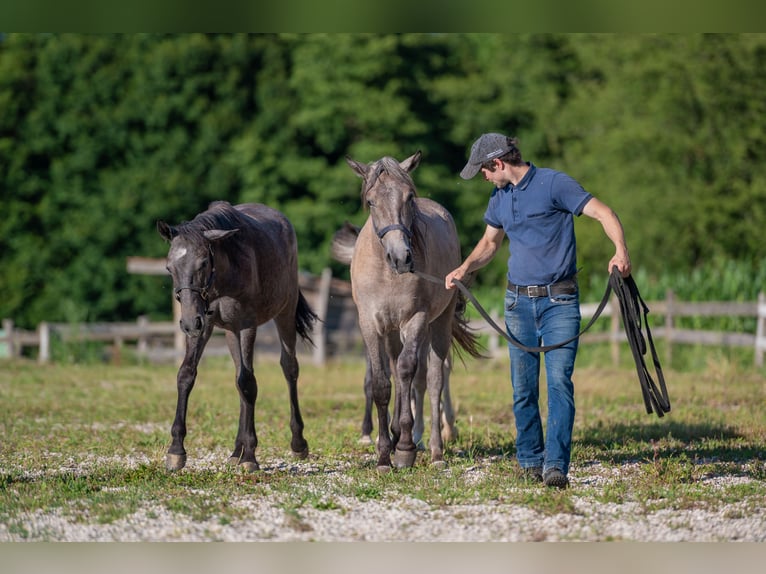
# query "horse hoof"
(449, 435)
(404, 458)
(233, 461)
(366, 440)
(250, 466)
(174, 462)
(383, 469)
(438, 464)
(301, 454)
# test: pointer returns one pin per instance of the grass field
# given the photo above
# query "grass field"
(88, 441)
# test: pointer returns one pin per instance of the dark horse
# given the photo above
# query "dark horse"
(408, 321)
(236, 267)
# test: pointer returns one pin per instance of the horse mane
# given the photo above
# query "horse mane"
(390, 166)
(220, 215)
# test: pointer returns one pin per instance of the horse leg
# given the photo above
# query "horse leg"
(415, 336)
(175, 459)
(393, 346)
(241, 348)
(441, 338)
(367, 419)
(381, 392)
(418, 396)
(286, 327)
(449, 430)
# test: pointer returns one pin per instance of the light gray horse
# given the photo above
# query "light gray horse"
(408, 321)
(343, 244)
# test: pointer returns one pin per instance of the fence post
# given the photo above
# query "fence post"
(760, 334)
(44, 334)
(494, 338)
(323, 304)
(8, 338)
(142, 346)
(669, 298)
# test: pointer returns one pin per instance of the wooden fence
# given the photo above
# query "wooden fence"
(337, 333)
(671, 309)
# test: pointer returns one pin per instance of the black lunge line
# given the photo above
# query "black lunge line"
(631, 307)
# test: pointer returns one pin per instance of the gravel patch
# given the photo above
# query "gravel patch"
(409, 520)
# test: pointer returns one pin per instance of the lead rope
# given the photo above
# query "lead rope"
(655, 399)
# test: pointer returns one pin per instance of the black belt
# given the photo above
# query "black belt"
(565, 287)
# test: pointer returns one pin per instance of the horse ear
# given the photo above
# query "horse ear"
(218, 234)
(166, 230)
(359, 168)
(411, 162)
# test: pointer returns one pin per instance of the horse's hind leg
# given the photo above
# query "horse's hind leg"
(241, 349)
(289, 362)
(441, 338)
(449, 430)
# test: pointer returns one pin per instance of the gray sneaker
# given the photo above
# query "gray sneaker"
(554, 478)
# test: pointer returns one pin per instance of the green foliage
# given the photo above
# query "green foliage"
(101, 135)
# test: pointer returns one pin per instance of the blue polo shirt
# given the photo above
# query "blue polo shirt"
(536, 215)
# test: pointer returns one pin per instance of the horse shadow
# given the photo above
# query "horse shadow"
(697, 441)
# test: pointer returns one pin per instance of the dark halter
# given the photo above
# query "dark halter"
(204, 292)
(393, 227)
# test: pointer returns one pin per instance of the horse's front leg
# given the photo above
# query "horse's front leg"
(415, 336)
(175, 459)
(381, 392)
(366, 437)
(418, 398)
(241, 349)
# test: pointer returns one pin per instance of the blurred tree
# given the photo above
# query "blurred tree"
(669, 130)
(101, 135)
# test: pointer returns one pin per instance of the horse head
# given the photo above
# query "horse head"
(389, 194)
(191, 264)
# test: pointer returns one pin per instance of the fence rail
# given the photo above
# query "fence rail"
(671, 310)
(337, 332)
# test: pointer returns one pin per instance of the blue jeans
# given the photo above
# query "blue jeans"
(535, 322)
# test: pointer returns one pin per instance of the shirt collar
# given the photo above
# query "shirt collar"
(525, 181)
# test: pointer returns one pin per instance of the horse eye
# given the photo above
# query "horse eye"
(370, 204)
(178, 296)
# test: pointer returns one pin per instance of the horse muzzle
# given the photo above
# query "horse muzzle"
(400, 262)
(194, 326)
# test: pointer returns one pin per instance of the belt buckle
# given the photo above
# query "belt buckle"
(531, 289)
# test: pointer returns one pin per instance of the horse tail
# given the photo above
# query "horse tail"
(463, 337)
(305, 319)
(344, 242)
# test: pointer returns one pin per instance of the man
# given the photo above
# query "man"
(534, 208)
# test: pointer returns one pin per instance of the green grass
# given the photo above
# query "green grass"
(89, 442)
